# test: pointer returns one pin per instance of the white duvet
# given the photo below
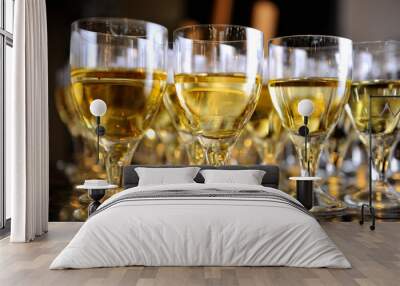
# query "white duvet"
(200, 231)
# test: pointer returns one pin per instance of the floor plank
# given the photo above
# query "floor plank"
(375, 257)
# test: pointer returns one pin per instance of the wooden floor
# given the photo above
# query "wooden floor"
(375, 257)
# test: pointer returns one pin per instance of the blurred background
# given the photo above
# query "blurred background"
(71, 161)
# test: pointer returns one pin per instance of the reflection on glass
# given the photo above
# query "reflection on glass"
(217, 79)
(317, 68)
(122, 62)
(376, 81)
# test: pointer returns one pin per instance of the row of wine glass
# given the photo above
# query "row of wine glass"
(217, 75)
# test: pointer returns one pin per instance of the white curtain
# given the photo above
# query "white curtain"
(27, 124)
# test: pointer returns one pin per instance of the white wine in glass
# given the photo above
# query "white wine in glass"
(374, 105)
(123, 63)
(218, 82)
(316, 68)
(328, 97)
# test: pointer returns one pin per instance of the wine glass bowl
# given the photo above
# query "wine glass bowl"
(316, 68)
(218, 81)
(123, 63)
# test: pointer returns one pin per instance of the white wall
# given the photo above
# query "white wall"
(363, 20)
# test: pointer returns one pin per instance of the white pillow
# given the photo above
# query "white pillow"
(248, 177)
(166, 176)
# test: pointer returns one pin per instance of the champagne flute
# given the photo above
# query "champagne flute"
(265, 126)
(316, 68)
(376, 81)
(218, 82)
(123, 63)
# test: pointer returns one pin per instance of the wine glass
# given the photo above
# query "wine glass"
(336, 148)
(376, 81)
(190, 142)
(218, 82)
(265, 125)
(82, 164)
(173, 151)
(315, 70)
(122, 62)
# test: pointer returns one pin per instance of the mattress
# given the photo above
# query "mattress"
(201, 225)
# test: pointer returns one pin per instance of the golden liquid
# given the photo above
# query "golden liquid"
(329, 95)
(385, 111)
(265, 122)
(133, 97)
(217, 105)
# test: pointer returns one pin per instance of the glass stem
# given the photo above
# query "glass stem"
(117, 156)
(308, 160)
(217, 151)
(216, 156)
(195, 153)
(267, 150)
(381, 147)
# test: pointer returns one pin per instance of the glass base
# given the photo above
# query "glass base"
(335, 187)
(326, 205)
(80, 214)
(84, 199)
(385, 202)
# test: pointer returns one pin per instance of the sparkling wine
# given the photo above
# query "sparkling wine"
(328, 95)
(217, 105)
(133, 97)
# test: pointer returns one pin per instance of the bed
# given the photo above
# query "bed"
(197, 224)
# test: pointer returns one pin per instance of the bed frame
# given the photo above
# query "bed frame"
(271, 178)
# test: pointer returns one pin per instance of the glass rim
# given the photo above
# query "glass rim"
(375, 43)
(75, 24)
(270, 42)
(187, 27)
